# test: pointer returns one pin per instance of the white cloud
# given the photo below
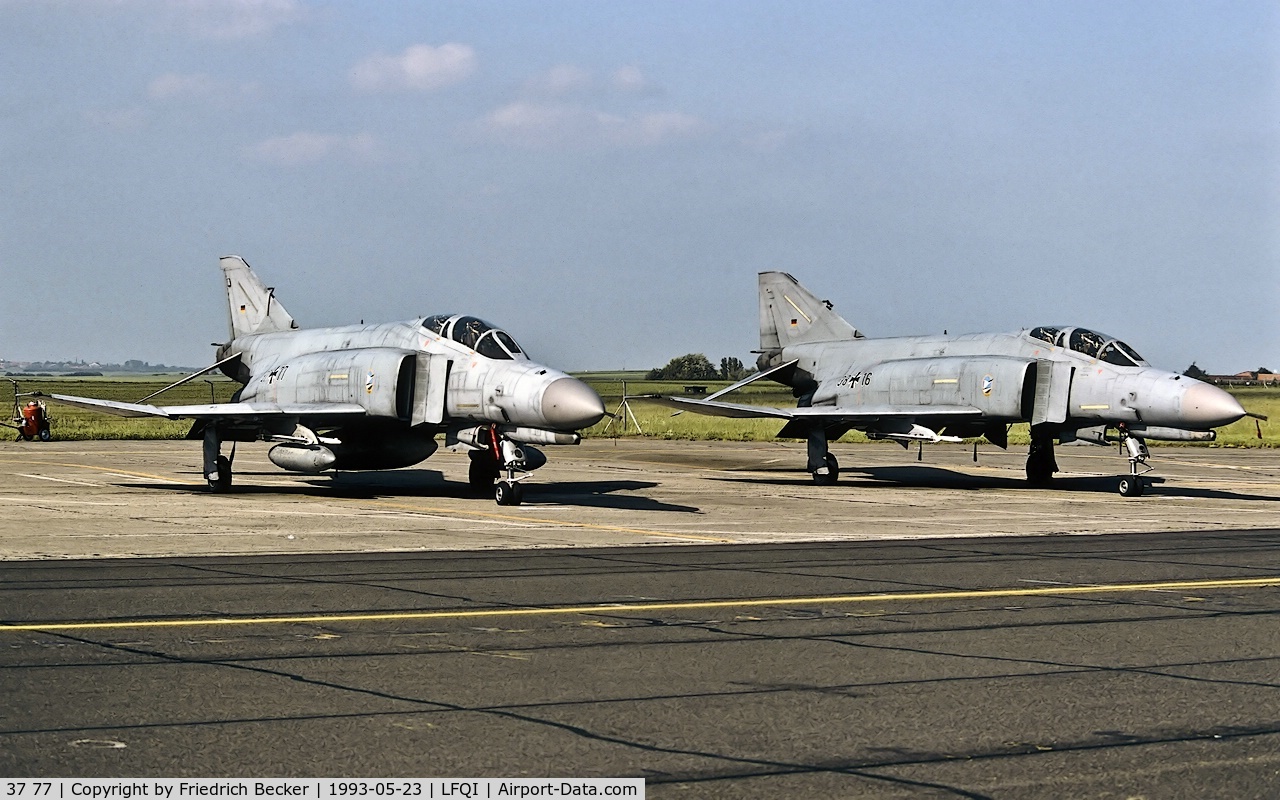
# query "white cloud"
(420, 68)
(559, 81)
(651, 129)
(236, 19)
(552, 124)
(630, 79)
(307, 148)
(566, 79)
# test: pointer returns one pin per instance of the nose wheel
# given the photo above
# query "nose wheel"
(499, 455)
(508, 493)
(1134, 484)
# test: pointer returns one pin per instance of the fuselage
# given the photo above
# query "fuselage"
(475, 372)
(1073, 378)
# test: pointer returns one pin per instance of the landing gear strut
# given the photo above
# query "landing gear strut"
(217, 467)
(823, 465)
(1040, 461)
(499, 455)
(1133, 484)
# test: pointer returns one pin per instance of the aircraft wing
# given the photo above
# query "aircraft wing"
(833, 414)
(209, 410)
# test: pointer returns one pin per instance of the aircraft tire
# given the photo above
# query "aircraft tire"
(482, 472)
(222, 483)
(1130, 486)
(1038, 472)
(45, 435)
(508, 493)
(832, 474)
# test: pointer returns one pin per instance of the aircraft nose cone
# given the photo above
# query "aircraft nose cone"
(1205, 406)
(568, 404)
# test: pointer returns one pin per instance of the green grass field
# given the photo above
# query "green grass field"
(73, 423)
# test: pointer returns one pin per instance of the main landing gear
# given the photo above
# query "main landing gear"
(822, 464)
(499, 455)
(1040, 461)
(217, 467)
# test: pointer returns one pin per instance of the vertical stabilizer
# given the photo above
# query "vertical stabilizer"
(790, 314)
(252, 306)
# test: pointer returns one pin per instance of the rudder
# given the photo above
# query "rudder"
(791, 314)
(251, 306)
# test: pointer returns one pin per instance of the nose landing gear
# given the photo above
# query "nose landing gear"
(499, 455)
(1133, 484)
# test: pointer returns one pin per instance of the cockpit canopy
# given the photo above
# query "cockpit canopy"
(1092, 344)
(476, 334)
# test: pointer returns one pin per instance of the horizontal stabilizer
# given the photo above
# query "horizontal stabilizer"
(717, 408)
(752, 378)
(210, 411)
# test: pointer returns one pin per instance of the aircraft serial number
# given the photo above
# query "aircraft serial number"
(858, 378)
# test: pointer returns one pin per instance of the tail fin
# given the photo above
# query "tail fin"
(790, 314)
(252, 307)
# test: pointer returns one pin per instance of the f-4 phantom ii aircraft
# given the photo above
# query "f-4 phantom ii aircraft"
(1071, 384)
(369, 397)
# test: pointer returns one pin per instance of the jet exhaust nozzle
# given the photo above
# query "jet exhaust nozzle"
(310, 460)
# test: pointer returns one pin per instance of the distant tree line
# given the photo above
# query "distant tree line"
(697, 367)
(1196, 372)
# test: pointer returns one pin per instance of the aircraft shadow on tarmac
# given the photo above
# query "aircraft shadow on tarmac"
(431, 483)
(924, 477)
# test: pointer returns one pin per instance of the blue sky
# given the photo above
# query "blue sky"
(605, 179)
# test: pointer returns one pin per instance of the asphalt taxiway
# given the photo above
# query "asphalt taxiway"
(114, 499)
(1112, 666)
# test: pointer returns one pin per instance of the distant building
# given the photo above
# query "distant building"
(1247, 378)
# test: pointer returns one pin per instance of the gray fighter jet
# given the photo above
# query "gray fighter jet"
(369, 397)
(1070, 383)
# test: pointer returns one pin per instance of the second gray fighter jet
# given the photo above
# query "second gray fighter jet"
(1069, 383)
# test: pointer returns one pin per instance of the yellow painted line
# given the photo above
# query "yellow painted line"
(684, 605)
(799, 310)
(946, 380)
